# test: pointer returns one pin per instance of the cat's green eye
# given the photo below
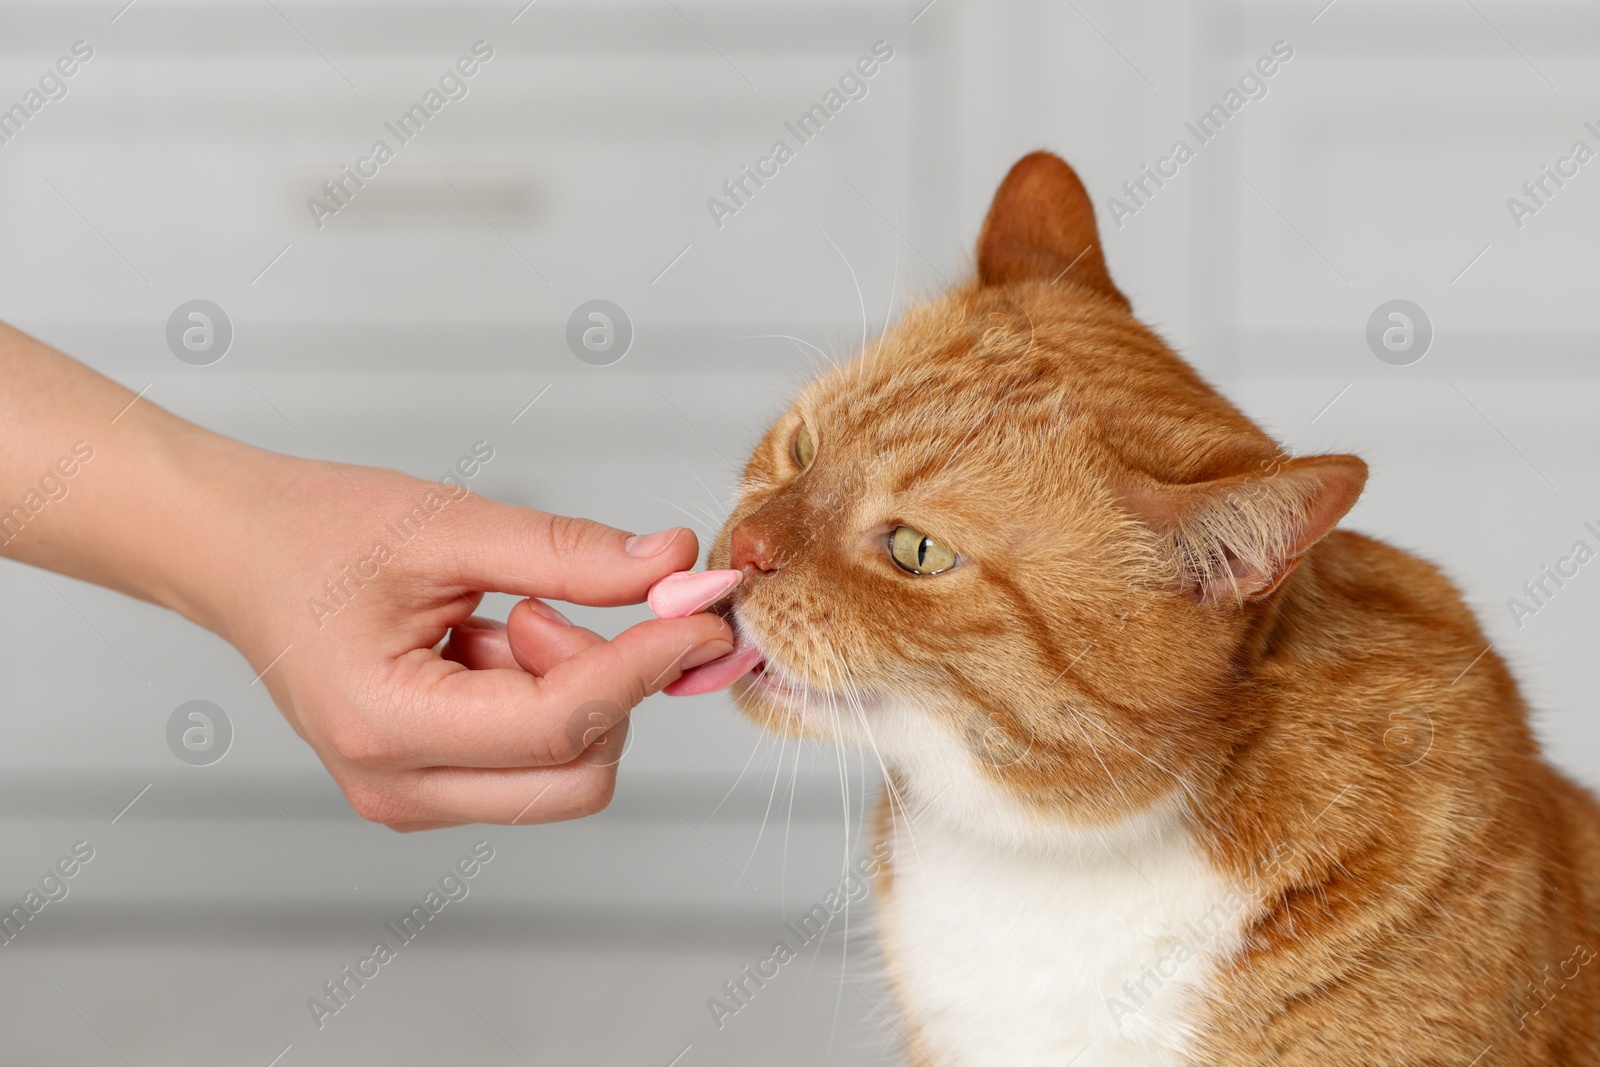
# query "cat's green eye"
(804, 450)
(914, 552)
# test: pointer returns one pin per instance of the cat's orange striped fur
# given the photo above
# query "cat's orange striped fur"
(1154, 641)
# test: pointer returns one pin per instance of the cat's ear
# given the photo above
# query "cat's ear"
(1041, 226)
(1238, 538)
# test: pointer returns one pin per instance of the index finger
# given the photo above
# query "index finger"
(530, 553)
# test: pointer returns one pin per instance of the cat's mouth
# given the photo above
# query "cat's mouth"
(747, 662)
(775, 684)
(746, 658)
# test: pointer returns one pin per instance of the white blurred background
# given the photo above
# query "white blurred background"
(426, 315)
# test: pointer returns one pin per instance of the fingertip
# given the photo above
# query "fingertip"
(478, 643)
(550, 614)
(541, 637)
(608, 577)
(510, 549)
(663, 552)
(700, 628)
(644, 546)
(663, 638)
(640, 660)
(686, 643)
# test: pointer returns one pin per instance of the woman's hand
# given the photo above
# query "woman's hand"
(522, 723)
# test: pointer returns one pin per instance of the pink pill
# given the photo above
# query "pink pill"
(687, 592)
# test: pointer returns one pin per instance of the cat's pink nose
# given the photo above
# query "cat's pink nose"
(751, 548)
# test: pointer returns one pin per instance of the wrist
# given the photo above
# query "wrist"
(215, 529)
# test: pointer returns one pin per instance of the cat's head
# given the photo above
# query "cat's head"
(1018, 541)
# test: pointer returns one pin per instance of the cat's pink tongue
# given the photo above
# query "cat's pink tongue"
(685, 593)
(718, 674)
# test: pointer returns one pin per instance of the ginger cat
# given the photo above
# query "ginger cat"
(1177, 772)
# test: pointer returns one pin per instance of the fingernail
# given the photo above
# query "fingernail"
(686, 592)
(705, 653)
(645, 545)
(541, 608)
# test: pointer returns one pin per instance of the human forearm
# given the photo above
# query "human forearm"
(108, 488)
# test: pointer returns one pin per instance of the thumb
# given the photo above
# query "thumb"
(511, 718)
(530, 553)
(595, 688)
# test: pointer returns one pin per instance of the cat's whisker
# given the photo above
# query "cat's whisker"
(716, 504)
(777, 772)
(777, 776)
(749, 485)
(851, 692)
(827, 360)
(806, 709)
(860, 297)
(788, 824)
(709, 522)
(835, 689)
(782, 390)
(894, 277)
(898, 803)
(867, 360)
(838, 748)
(1187, 788)
(742, 772)
(1078, 722)
(712, 518)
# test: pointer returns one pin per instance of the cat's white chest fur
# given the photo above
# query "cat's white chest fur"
(1011, 945)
